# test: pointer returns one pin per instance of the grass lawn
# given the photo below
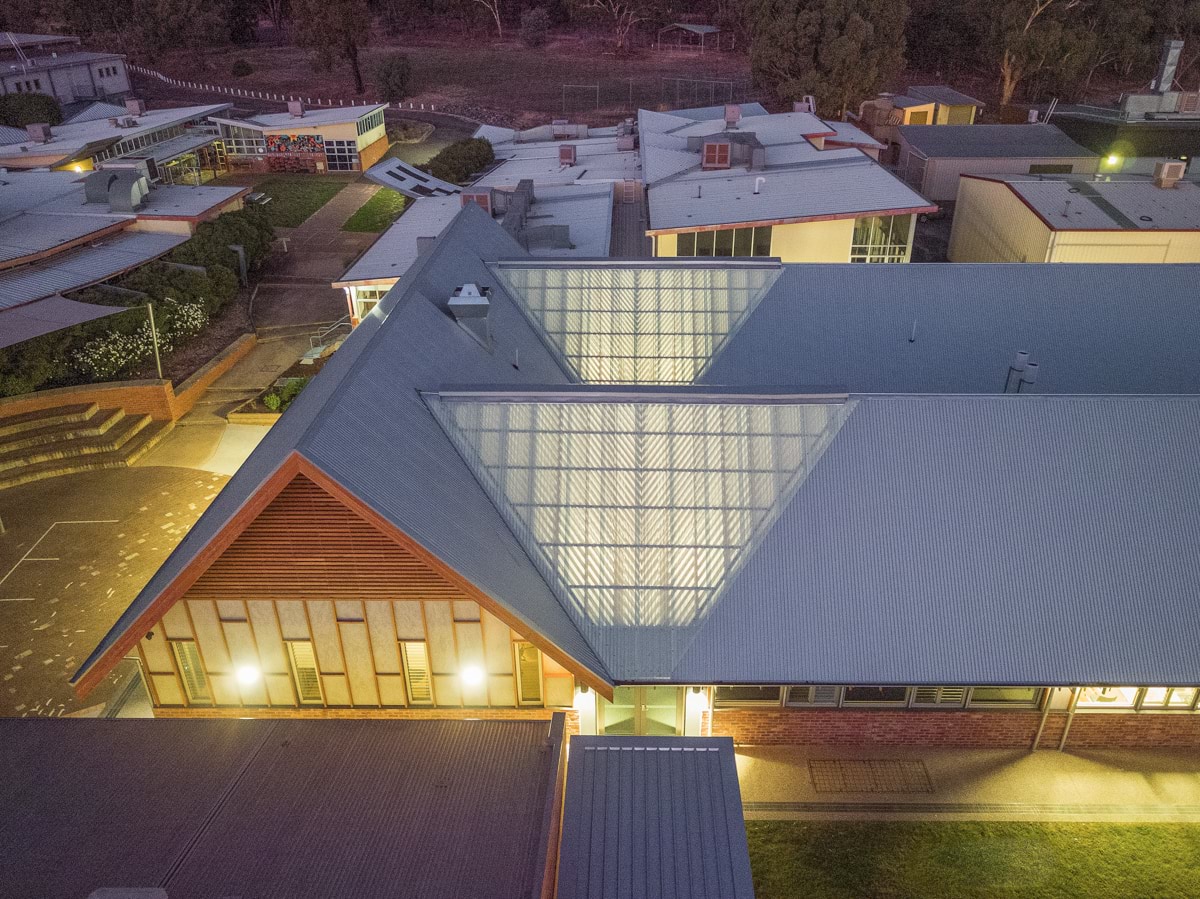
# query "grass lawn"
(973, 860)
(377, 213)
(295, 197)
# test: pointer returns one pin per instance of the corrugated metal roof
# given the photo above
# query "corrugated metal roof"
(11, 135)
(29, 233)
(78, 268)
(276, 809)
(314, 116)
(1099, 328)
(398, 175)
(1039, 141)
(653, 817)
(947, 96)
(94, 111)
(978, 540)
(367, 397)
(1127, 205)
(706, 113)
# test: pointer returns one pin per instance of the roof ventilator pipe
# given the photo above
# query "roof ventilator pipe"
(469, 305)
(758, 183)
(1019, 364)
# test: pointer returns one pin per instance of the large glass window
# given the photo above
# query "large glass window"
(746, 695)
(726, 242)
(875, 695)
(1108, 697)
(881, 238)
(1005, 696)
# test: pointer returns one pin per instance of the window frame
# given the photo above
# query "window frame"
(196, 665)
(518, 680)
(408, 680)
(293, 670)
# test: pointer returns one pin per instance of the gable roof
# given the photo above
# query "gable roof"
(365, 405)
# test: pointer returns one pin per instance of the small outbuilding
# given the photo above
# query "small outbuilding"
(933, 157)
(688, 36)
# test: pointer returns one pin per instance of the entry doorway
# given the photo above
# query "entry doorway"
(643, 711)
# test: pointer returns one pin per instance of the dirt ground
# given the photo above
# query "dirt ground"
(502, 83)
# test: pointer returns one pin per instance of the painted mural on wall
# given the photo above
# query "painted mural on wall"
(295, 143)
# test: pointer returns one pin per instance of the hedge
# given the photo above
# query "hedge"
(460, 160)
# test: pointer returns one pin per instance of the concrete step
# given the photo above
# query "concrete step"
(29, 421)
(98, 424)
(112, 441)
(133, 450)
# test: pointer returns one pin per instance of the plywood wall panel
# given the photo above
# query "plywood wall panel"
(502, 690)
(166, 688)
(357, 648)
(439, 625)
(465, 610)
(209, 637)
(348, 609)
(325, 637)
(337, 691)
(225, 689)
(410, 623)
(244, 654)
(267, 637)
(497, 645)
(157, 652)
(391, 690)
(280, 691)
(447, 689)
(231, 610)
(384, 644)
(176, 623)
(293, 621)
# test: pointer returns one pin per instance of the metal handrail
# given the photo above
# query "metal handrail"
(319, 339)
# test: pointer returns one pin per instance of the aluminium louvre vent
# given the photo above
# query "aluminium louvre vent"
(470, 305)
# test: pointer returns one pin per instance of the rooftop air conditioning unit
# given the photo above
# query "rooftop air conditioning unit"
(39, 131)
(809, 104)
(135, 107)
(296, 108)
(1168, 174)
(560, 128)
(733, 115)
(567, 154)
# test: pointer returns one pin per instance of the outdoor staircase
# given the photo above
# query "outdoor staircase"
(70, 439)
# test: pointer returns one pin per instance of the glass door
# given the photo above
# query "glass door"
(644, 711)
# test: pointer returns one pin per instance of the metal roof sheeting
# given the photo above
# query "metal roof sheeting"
(1039, 141)
(277, 809)
(651, 817)
(947, 96)
(314, 117)
(978, 540)
(30, 233)
(81, 267)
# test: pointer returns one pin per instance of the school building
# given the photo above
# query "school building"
(321, 139)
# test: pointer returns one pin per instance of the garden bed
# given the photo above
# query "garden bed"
(262, 410)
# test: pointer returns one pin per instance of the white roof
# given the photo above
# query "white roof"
(1073, 204)
(586, 210)
(597, 160)
(314, 116)
(845, 132)
(68, 140)
(796, 181)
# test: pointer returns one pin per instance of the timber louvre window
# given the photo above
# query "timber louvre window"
(529, 673)
(195, 683)
(304, 672)
(416, 672)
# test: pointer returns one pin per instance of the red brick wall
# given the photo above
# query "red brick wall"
(991, 729)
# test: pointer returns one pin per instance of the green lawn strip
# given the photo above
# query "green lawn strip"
(378, 213)
(973, 860)
(295, 197)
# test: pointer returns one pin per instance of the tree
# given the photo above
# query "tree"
(277, 11)
(333, 28)
(240, 18)
(840, 51)
(1115, 35)
(624, 15)
(535, 27)
(1030, 35)
(393, 75)
(1180, 19)
(19, 110)
(493, 7)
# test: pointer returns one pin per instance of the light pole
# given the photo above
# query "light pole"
(154, 340)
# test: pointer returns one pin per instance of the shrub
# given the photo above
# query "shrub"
(19, 110)
(393, 76)
(457, 162)
(241, 68)
(535, 27)
(272, 401)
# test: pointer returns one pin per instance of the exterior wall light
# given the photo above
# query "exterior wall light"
(472, 675)
(247, 675)
(1113, 160)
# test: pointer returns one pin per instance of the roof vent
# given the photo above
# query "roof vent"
(39, 131)
(715, 155)
(296, 108)
(560, 128)
(1168, 174)
(567, 154)
(733, 115)
(469, 305)
(133, 106)
(809, 104)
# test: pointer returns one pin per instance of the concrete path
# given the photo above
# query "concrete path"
(901, 783)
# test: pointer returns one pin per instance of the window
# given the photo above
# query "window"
(1051, 168)
(529, 673)
(945, 697)
(919, 117)
(746, 695)
(304, 672)
(191, 672)
(716, 155)
(1168, 698)
(881, 238)
(341, 155)
(416, 672)
(1005, 696)
(875, 695)
(1108, 697)
(725, 242)
(367, 123)
(814, 695)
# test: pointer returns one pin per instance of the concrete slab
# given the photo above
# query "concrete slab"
(980, 784)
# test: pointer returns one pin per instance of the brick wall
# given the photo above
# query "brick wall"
(528, 714)
(991, 729)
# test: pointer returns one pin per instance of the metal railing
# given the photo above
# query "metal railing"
(321, 338)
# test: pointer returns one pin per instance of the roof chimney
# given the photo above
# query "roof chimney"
(296, 108)
(1168, 63)
(134, 106)
(733, 115)
(469, 305)
(39, 131)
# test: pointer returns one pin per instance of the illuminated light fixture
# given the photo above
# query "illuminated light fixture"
(77, 168)
(1113, 159)
(472, 675)
(247, 674)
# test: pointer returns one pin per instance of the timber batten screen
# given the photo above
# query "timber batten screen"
(636, 324)
(639, 513)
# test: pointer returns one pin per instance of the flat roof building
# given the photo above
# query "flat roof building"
(789, 186)
(48, 64)
(597, 156)
(932, 158)
(306, 139)
(281, 809)
(1021, 219)
(824, 495)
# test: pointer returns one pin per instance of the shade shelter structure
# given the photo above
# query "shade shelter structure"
(686, 36)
